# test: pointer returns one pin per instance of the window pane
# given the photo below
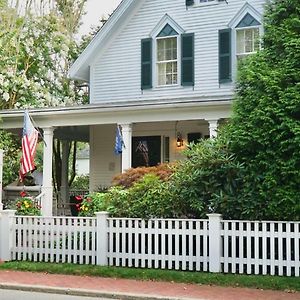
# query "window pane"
(167, 61)
(160, 50)
(240, 41)
(249, 40)
(256, 39)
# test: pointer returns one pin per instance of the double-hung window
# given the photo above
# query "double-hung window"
(167, 57)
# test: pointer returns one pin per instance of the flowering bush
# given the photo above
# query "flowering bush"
(27, 207)
(92, 203)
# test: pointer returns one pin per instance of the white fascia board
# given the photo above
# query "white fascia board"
(101, 114)
(80, 68)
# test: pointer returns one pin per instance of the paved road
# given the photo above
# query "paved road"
(13, 295)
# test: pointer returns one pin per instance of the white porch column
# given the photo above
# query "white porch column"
(1, 177)
(126, 153)
(64, 189)
(47, 188)
(213, 126)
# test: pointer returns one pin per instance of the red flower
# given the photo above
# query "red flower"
(23, 194)
(78, 197)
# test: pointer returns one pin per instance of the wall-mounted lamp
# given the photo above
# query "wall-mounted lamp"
(179, 141)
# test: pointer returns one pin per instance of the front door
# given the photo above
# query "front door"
(146, 151)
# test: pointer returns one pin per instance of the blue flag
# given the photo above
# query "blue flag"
(119, 142)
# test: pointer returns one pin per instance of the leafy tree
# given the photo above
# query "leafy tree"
(37, 46)
(11, 157)
(265, 127)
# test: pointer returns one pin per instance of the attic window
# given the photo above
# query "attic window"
(167, 31)
(247, 36)
(248, 21)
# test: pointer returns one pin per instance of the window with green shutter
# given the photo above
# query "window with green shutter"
(167, 57)
(225, 55)
(146, 68)
(187, 59)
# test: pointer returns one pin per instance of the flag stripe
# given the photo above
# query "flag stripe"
(29, 143)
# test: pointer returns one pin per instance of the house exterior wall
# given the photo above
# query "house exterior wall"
(116, 76)
(104, 164)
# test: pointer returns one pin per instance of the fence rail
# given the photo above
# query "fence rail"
(215, 245)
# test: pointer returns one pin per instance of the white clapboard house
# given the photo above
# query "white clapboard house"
(161, 70)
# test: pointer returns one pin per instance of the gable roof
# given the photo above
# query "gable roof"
(80, 68)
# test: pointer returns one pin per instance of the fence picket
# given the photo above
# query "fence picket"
(246, 246)
(280, 249)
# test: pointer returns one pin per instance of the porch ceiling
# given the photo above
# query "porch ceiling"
(72, 133)
(129, 112)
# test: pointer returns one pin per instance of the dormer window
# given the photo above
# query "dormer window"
(239, 39)
(247, 36)
(167, 56)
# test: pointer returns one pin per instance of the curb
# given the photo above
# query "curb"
(85, 293)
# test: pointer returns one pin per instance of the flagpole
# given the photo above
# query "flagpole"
(37, 128)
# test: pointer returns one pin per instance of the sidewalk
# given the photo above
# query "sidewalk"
(131, 289)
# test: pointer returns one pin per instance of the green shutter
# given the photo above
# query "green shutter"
(225, 55)
(146, 68)
(189, 2)
(187, 59)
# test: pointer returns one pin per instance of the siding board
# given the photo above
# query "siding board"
(116, 73)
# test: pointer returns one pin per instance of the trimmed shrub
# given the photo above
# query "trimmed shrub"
(133, 175)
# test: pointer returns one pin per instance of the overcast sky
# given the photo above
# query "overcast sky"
(95, 10)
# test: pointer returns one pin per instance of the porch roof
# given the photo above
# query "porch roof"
(121, 112)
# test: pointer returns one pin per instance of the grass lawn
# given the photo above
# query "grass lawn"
(250, 281)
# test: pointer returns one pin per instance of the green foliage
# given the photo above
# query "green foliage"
(265, 128)
(36, 51)
(81, 182)
(11, 159)
(209, 180)
(95, 202)
(147, 198)
(27, 207)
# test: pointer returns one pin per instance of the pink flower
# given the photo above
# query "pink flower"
(78, 197)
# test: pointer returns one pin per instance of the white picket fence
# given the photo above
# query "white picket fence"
(215, 245)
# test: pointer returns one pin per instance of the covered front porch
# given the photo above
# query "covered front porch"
(164, 128)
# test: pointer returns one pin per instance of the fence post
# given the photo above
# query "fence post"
(6, 234)
(102, 238)
(215, 242)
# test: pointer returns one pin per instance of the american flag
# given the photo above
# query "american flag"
(29, 142)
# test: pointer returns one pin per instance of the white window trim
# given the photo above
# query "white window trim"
(155, 67)
(245, 28)
(166, 19)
